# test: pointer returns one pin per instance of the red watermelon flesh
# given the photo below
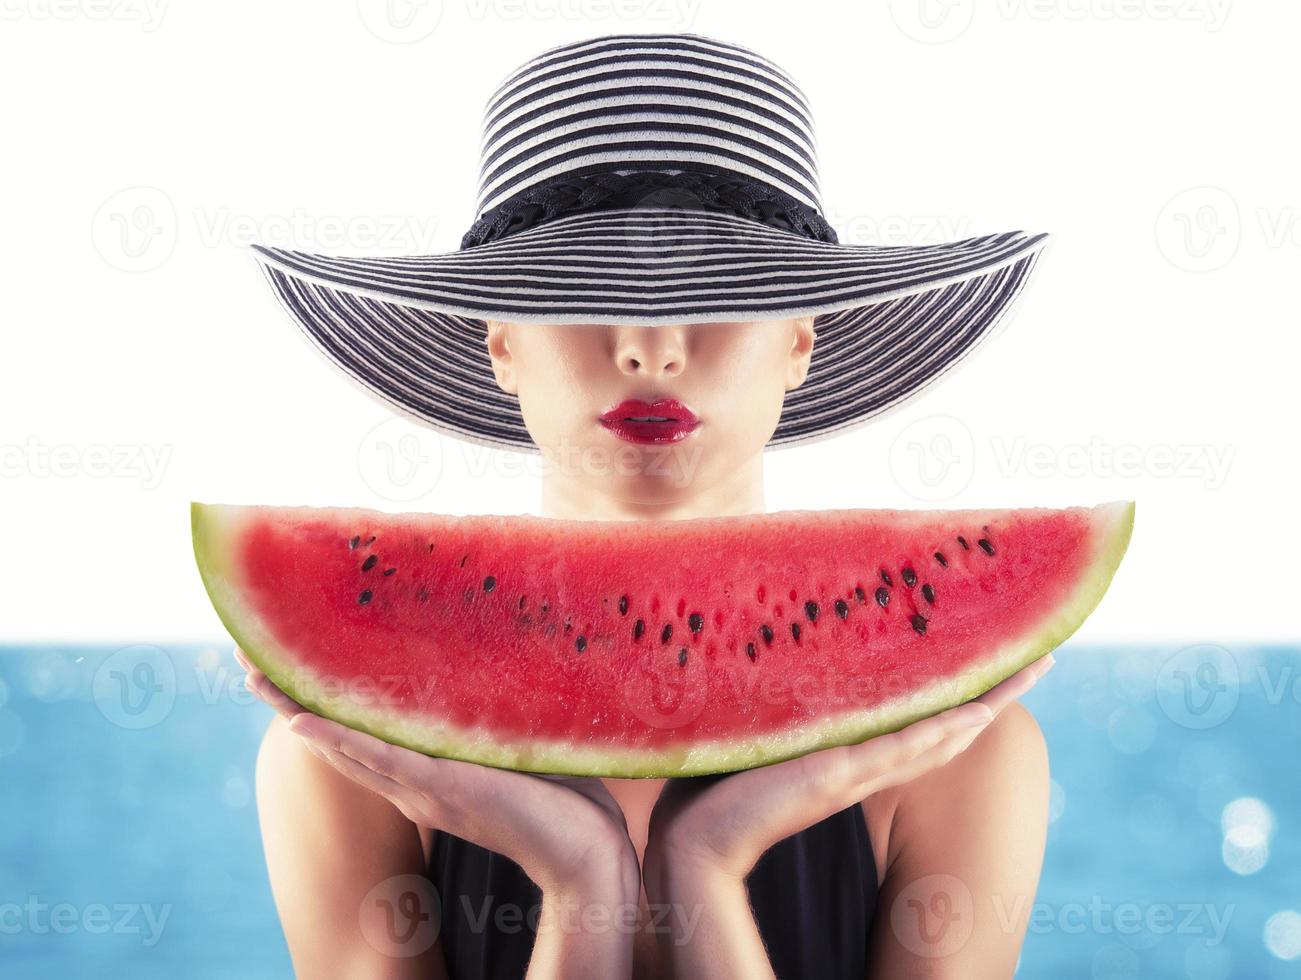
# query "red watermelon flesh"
(659, 648)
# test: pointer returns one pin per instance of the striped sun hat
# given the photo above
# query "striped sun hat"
(651, 179)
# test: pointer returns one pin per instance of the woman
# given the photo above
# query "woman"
(676, 272)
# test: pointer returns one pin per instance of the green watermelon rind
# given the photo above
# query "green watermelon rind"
(1113, 530)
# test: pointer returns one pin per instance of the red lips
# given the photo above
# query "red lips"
(660, 421)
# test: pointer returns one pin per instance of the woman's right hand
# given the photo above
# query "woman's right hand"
(566, 833)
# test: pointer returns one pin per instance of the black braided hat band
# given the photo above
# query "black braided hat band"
(697, 190)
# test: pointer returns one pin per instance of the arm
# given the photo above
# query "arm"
(966, 848)
(328, 843)
(706, 834)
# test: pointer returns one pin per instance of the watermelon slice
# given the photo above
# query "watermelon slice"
(661, 648)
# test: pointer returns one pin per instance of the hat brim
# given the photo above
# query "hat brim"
(890, 320)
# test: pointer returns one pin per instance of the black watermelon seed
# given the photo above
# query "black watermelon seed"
(766, 630)
(885, 577)
(842, 609)
(369, 563)
(858, 591)
(489, 584)
(795, 631)
(919, 623)
(371, 539)
(696, 622)
(667, 633)
(909, 577)
(638, 628)
(985, 546)
(928, 591)
(883, 597)
(750, 650)
(431, 547)
(352, 545)
(389, 571)
(939, 557)
(623, 605)
(463, 557)
(811, 610)
(521, 602)
(364, 598)
(581, 643)
(963, 541)
(682, 657)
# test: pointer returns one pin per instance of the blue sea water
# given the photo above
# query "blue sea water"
(129, 843)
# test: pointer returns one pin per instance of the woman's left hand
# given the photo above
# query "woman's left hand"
(725, 823)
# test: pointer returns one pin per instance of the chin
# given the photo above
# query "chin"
(645, 471)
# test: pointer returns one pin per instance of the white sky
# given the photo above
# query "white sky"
(1153, 357)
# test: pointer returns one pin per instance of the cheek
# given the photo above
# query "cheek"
(554, 379)
(750, 381)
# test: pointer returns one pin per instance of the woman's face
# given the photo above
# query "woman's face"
(652, 408)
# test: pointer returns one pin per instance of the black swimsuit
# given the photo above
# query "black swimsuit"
(813, 895)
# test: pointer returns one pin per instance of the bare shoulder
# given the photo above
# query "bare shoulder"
(329, 843)
(1006, 767)
(1012, 742)
(975, 829)
(285, 768)
(1004, 770)
(295, 785)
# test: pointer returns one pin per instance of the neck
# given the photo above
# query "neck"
(572, 498)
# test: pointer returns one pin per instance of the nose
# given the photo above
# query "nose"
(650, 351)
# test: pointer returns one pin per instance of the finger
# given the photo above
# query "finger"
(1005, 692)
(964, 722)
(358, 772)
(267, 692)
(390, 761)
(411, 805)
(841, 779)
(897, 748)
(242, 660)
(461, 786)
(591, 788)
(937, 756)
(349, 766)
(996, 699)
